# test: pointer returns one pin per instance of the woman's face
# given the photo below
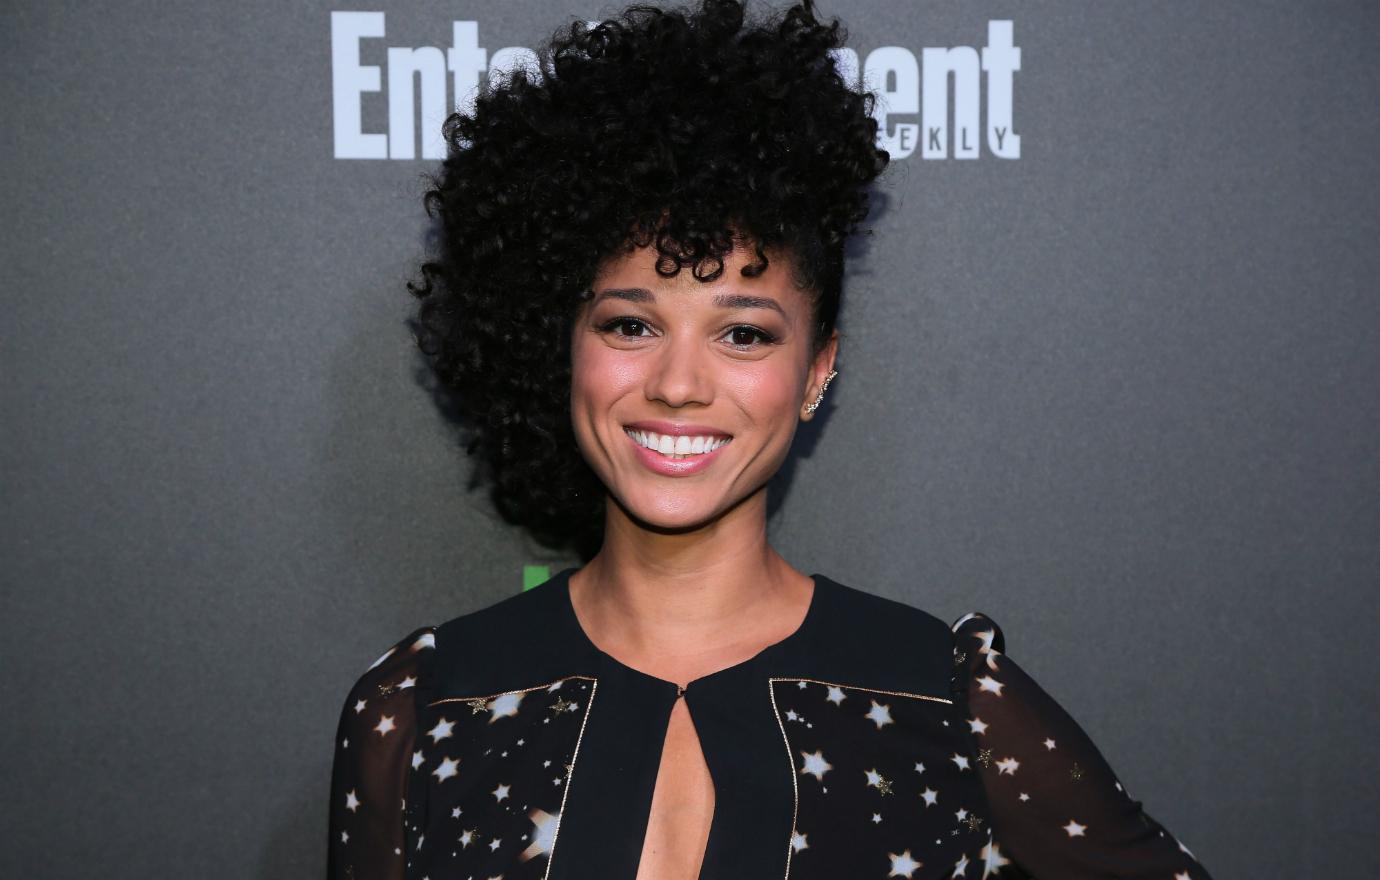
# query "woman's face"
(686, 365)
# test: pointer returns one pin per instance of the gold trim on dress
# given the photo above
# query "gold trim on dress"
(570, 773)
(790, 758)
(513, 691)
(854, 687)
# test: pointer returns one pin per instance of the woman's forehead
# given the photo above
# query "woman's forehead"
(638, 268)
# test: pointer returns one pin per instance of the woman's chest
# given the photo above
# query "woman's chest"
(782, 777)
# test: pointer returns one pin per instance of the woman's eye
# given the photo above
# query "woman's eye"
(742, 336)
(623, 323)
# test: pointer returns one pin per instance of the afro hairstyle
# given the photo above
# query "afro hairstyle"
(693, 130)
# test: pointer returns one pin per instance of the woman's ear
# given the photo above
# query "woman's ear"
(819, 374)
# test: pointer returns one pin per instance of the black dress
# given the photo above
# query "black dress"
(874, 741)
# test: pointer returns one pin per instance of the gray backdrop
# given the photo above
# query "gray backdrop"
(1119, 393)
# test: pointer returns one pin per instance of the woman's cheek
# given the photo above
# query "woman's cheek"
(765, 389)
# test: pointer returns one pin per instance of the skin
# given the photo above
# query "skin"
(686, 583)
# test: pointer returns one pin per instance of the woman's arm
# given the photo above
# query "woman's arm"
(1057, 808)
(375, 742)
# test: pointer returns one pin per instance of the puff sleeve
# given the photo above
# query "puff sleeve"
(1057, 808)
(371, 820)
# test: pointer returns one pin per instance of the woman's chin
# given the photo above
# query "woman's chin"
(669, 513)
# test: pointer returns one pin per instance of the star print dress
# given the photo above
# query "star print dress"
(874, 741)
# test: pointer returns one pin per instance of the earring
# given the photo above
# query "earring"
(820, 399)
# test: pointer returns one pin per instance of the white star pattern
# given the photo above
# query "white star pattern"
(1007, 766)
(815, 765)
(504, 706)
(544, 827)
(930, 796)
(988, 637)
(990, 684)
(442, 730)
(385, 725)
(501, 792)
(1074, 829)
(960, 760)
(977, 725)
(880, 714)
(351, 802)
(836, 695)
(992, 859)
(903, 865)
(798, 841)
(417, 759)
(446, 770)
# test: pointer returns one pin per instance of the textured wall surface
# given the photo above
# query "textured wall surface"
(1118, 392)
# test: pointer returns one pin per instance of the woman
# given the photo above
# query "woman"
(634, 304)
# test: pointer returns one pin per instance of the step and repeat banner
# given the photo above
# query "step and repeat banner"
(1108, 374)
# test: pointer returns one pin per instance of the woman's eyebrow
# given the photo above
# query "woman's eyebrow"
(723, 300)
(631, 294)
(741, 301)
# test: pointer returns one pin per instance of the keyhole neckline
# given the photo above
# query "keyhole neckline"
(807, 623)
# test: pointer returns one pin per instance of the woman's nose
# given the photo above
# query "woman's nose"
(680, 373)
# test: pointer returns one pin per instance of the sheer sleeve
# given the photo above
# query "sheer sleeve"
(370, 815)
(1056, 805)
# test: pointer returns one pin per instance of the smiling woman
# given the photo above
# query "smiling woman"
(633, 306)
(661, 364)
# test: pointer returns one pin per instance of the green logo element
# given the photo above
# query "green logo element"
(535, 574)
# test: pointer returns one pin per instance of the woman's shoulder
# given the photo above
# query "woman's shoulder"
(857, 605)
(476, 650)
(400, 667)
(883, 639)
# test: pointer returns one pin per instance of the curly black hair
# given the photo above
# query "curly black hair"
(693, 130)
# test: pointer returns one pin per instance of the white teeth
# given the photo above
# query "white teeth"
(679, 446)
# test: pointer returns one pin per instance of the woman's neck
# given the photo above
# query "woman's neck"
(681, 606)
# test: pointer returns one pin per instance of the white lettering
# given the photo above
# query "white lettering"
(1001, 59)
(962, 62)
(466, 60)
(912, 106)
(404, 65)
(892, 73)
(350, 80)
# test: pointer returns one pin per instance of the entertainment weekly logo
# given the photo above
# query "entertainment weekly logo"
(913, 111)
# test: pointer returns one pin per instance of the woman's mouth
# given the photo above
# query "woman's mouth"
(676, 455)
(676, 447)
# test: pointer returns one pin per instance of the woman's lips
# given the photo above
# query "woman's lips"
(674, 467)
